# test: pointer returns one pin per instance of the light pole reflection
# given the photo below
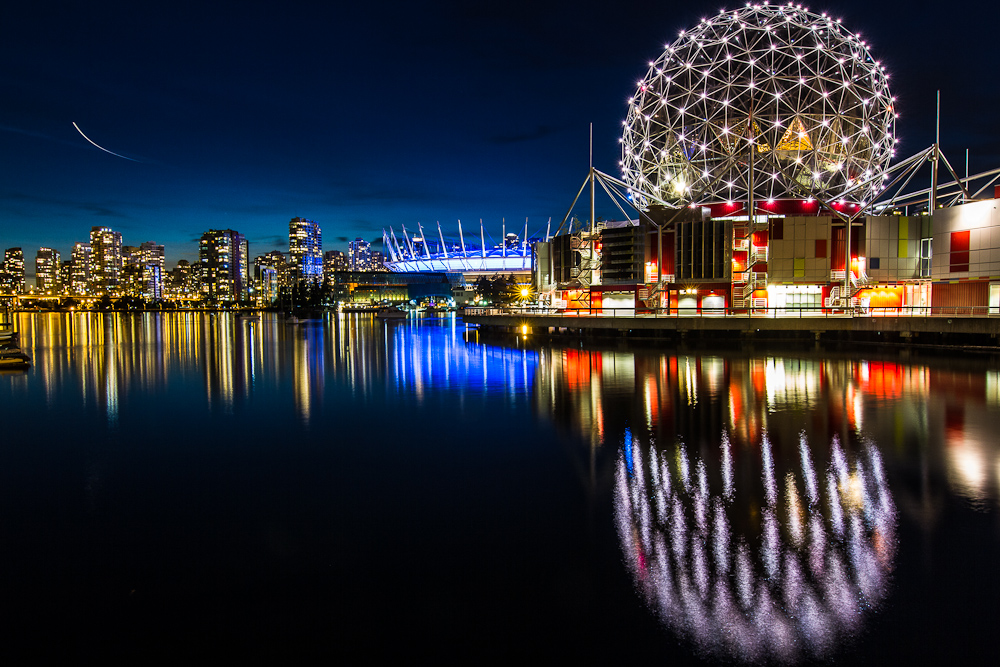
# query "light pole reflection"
(814, 560)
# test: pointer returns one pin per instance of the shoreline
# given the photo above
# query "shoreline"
(957, 333)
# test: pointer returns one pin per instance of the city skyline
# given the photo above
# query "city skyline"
(359, 121)
(106, 265)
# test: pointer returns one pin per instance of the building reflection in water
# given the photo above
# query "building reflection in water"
(763, 572)
(757, 496)
(105, 357)
(939, 416)
(753, 494)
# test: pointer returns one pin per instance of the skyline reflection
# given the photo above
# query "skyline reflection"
(327, 481)
(901, 406)
(110, 356)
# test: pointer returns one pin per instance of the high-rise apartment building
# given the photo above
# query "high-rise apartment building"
(105, 261)
(275, 260)
(66, 275)
(12, 272)
(152, 270)
(334, 260)
(305, 249)
(79, 281)
(184, 281)
(270, 271)
(144, 270)
(225, 275)
(359, 255)
(47, 261)
(131, 276)
(152, 253)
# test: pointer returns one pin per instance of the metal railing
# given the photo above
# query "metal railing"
(800, 312)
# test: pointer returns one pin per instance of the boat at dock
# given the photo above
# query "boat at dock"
(11, 356)
(14, 360)
(390, 313)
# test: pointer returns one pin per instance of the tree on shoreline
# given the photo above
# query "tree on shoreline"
(498, 290)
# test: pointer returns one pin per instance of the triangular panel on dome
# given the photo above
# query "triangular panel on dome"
(760, 142)
(730, 139)
(795, 138)
(831, 144)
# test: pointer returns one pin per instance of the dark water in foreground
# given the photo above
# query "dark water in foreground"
(195, 486)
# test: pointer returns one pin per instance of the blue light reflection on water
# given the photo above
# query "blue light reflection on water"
(362, 477)
(109, 358)
(250, 482)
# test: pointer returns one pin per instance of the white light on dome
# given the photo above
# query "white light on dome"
(805, 133)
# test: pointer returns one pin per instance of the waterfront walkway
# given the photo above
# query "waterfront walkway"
(952, 326)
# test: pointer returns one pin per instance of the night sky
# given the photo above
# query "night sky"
(358, 116)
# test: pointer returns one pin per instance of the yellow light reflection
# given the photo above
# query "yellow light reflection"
(967, 469)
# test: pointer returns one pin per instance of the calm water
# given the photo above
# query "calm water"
(193, 485)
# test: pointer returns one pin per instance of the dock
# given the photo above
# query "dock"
(952, 327)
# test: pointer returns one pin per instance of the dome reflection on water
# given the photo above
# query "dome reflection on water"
(782, 570)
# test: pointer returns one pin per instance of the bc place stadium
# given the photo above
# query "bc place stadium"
(477, 255)
(758, 173)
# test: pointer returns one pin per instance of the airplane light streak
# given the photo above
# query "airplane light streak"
(101, 147)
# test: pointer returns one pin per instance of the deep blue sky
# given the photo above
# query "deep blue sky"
(245, 114)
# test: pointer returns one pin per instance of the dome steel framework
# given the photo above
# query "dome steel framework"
(769, 99)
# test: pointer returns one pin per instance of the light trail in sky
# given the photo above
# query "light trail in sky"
(101, 147)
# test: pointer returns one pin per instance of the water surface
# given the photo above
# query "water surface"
(192, 484)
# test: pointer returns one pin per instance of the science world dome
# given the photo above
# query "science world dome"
(770, 99)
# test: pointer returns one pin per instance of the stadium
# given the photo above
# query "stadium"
(479, 255)
(759, 172)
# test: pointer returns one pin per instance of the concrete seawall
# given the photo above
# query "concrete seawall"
(958, 331)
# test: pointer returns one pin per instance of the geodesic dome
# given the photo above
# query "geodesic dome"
(801, 90)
